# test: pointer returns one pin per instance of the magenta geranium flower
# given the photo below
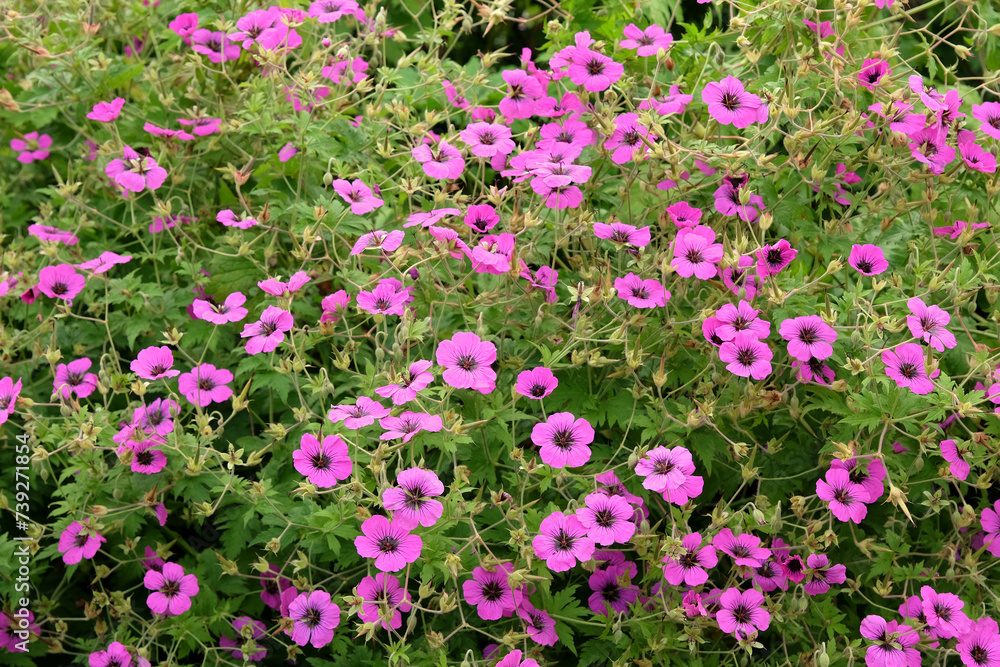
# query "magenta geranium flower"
(172, 590)
(363, 413)
(385, 241)
(808, 337)
(481, 217)
(408, 424)
(683, 214)
(905, 365)
(662, 468)
(741, 613)
(740, 277)
(73, 379)
(873, 72)
(328, 11)
(323, 463)
(626, 143)
(430, 218)
(272, 586)
(32, 147)
(563, 440)
(104, 262)
(868, 475)
(608, 519)
(928, 324)
(105, 112)
(957, 228)
(467, 361)
(772, 259)
(268, 332)
(536, 383)
(955, 455)
(648, 41)
(539, 625)
(768, 577)
(641, 293)
(147, 459)
(358, 195)
(442, 162)
(413, 380)
(847, 499)
(521, 99)
(157, 417)
(980, 645)
(741, 317)
(594, 71)
(257, 632)
(202, 127)
(744, 549)
(60, 282)
(231, 310)
(943, 612)
(79, 541)
(696, 253)
(868, 259)
(488, 139)
(988, 113)
(747, 356)
(215, 45)
(157, 131)
(491, 254)
(315, 618)
(136, 172)
(333, 306)
(562, 541)
(690, 567)
(153, 363)
(893, 643)
(623, 234)
(974, 156)
(412, 502)
(389, 543)
(729, 103)
(728, 199)
(388, 298)
(930, 146)
(381, 591)
(206, 384)
(490, 592)
(53, 234)
(608, 590)
(116, 655)
(276, 287)
(819, 574)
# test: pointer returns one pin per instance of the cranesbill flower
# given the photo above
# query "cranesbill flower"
(571, 131)
(690, 567)
(412, 502)
(229, 219)
(231, 310)
(648, 41)
(866, 474)
(206, 384)
(157, 131)
(202, 127)
(147, 459)
(273, 585)
(487, 139)
(520, 100)
(31, 147)
(563, 440)
(52, 234)
(539, 625)
(79, 541)
(768, 577)
(683, 214)
(268, 332)
(955, 230)
(943, 612)
(746, 356)
(847, 499)
(467, 361)
(980, 645)
(442, 162)
(772, 259)
(512, 659)
(333, 306)
(328, 11)
(413, 380)
(744, 549)
(172, 590)
(115, 656)
(217, 46)
(430, 218)
(346, 71)
(893, 643)
(60, 282)
(323, 464)
(257, 632)
(104, 262)
(973, 155)
(536, 383)
(808, 337)
(592, 70)
(383, 590)
(609, 592)
(105, 112)
(358, 195)
(727, 199)
(930, 147)
(928, 324)
(562, 541)
(608, 519)
(955, 455)
(662, 468)
(931, 98)
(905, 365)
(490, 592)
(873, 72)
(389, 543)
(740, 277)
(481, 217)
(363, 413)
(315, 618)
(153, 363)
(741, 613)
(621, 233)
(136, 172)
(988, 113)
(388, 298)
(741, 317)
(819, 574)
(696, 253)
(868, 259)
(641, 293)
(491, 254)
(408, 424)
(385, 241)
(157, 417)
(73, 379)
(626, 141)
(729, 103)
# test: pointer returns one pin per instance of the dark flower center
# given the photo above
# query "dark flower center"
(640, 293)
(487, 138)
(144, 458)
(689, 560)
(663, 466)
(206, 384)
(979, 654)
(74, 379)
(171, 588)
(312, 618)
(564, 541)
(157, 369)
(611, 592)
(644, 41)
(320, 461)
(595, 67)
(909, 371)
(746, 356)
(631, 137)
(467, 363)
(414, 497)
(858, 475)
(943, 612)
(731, 101)
(740, 551)
(742, 614)
(388, 544)
(537, 390)
(841, 495)
(567, 138)
(794, 565)
(268, 328)
(808, 335)
(928, 148)
(865, 266)
(774, 257)
(81, 540)
(493, 591)
(740, 323)
(694, 256)
(60, 288)
(562, 439)
(604, 518)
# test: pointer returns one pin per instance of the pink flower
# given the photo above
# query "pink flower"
(608, 519)
(103, 262)
(443, 162)
(216, 45)
(412, 502)
(931, 98)
(980, 645)
(328, 11)
(315, 618)
(973, 155)
(172, 590)
(358, 195)
(323, 463)
(988, 113)
(928, 324)
(690, 568)
(522, 97)
(727, 199)
(268, 332)
(536, 383)
(873, 72)
(415, 379)
(563, 440)
(741, 613)
(275, 287)
(257, 632)
(385, 241)
(562, 541)
(696, 253)
(538, 625)
(481, 217)
(609, 592)
(951, 452)
(594, 71)
(467, 361)
(389, 543)
(626, 142)
(808, 337)
(430, 218)
(820, 574)
(957, 228)
(183, 24)
(157, 417)
(893, 643)
(772, 259)
(267, 29)
(32, 147)
(674, 103)
(333, 306)
(53, 234)
(641, 293)
(747, 356)
(739, 278)
(647, 41)
(868, 259)
(744, 549)
(363, 413)
(388, 298)
(229, 311)
(228, 218)
(202, 126)
(905, 365)
(205, 384)
(490, 592)
(379, 592)
(73, 379)
(105, 112)
(868, 476)
(134, 172)
(60, 282)
(287, 152)
(79, 541)
(156, 131)
(154, 363)
(728, 103)
(930, 147)
(408, 424)
(488, 139)
(116, 655)
(847, 499)
(741, 317)
(621, 233)
(944, 613)
(663, 468)
(683, 214)
(146, 459)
